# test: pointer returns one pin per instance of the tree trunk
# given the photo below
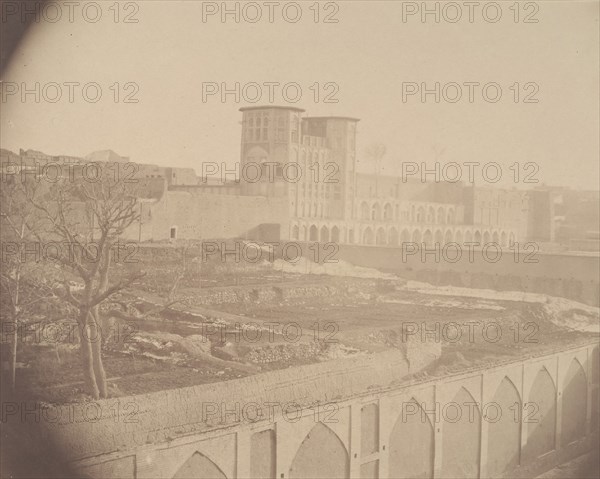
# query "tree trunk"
(96, 340)
(86, 357)
(13, 356)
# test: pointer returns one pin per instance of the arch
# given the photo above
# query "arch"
(511, 239)
(199, 466)
(364, 211)
(421, 216)
(496, 238)
(351, 235)
(256, 154)
(324, 234)
(428, 239)
(380, 236)
(459, 237)
(448, 237)
(367, 236)
(441, 217)
(416, 236)
(451, 217)
(503, 239)
(388, 214)
(313, 233)
(376, 212)
(321, 454)
(412, 214)
(574, 405)
(469, 237)
(486, 237)
(412, 445)
(540, 433)
(295, 232)
(405, 236)
(431, 215)
(477, 237)
(397, 212)
(439, 237)
(461, 437)
(393, 237)
(304, 233)
(504, 436)
(335, 234)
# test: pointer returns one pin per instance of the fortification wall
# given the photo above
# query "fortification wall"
(201, 216)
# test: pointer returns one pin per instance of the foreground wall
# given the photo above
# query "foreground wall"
(512, 420)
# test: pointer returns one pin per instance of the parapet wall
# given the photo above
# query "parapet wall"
(126, 423)
(357, 418)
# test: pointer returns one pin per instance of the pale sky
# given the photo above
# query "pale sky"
(369, 53)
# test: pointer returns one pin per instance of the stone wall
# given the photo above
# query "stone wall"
(512, 420)
(564, 275)
(198, 215)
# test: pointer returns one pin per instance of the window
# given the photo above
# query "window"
(281, 129)
(173, 234)
(295, 130)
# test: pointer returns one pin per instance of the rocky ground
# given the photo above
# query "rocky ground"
(272, 319)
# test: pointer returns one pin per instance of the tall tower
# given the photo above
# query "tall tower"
(338, 134)
(271, 137)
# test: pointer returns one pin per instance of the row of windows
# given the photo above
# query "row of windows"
(258, 128)
(324, 192)
(314, 156)
(418, 215)
(314, 210)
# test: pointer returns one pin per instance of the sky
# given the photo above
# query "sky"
(372, 54)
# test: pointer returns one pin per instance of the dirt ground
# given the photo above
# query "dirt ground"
(304, 319)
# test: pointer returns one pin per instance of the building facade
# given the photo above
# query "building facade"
(311, 161)
(299, 172)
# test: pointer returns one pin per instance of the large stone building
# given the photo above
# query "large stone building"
(297, 180)
(329, 200)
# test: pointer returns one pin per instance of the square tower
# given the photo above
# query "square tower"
(270, 139)
(332, 139)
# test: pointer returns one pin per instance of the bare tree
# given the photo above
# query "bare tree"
(75, 215)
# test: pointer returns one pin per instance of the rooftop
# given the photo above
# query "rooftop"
(347, 118)
(272, 107)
